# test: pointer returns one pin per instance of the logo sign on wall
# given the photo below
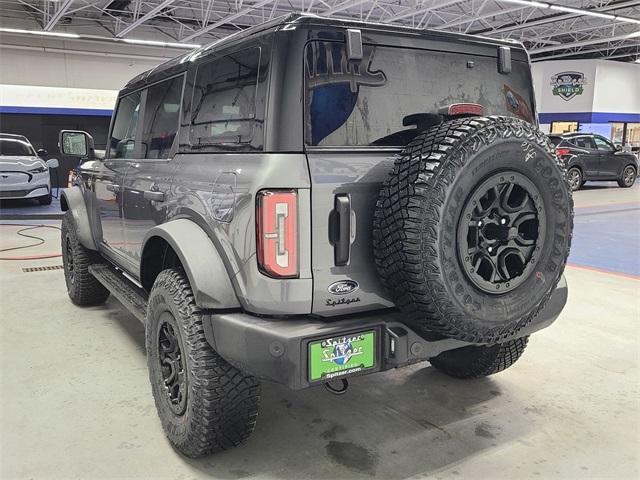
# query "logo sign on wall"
(567, 85)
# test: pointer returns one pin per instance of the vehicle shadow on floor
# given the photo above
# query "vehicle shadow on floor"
(394, 425)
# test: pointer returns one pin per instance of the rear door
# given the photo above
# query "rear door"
(149, 177)
(355, 122)
(588, 155)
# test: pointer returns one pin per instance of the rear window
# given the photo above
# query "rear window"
(364, 103)
(555, 140)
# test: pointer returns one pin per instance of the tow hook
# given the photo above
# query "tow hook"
(338, 391)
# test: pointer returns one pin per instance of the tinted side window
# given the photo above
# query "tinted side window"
(603, 144)
(161, 117)
(583, 142)
(123, 135)
(226, 109)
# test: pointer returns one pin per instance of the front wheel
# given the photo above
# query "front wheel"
(628, 177)
(82, 287)
(46, 200)
(480, 361)
(205, 404)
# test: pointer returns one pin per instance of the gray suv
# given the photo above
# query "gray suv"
(311, 200)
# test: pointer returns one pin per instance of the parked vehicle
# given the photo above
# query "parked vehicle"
(23, 172)
(590, 157)
(305, 202)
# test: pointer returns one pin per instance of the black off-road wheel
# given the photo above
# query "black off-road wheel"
(628, 177)
(205, 404)
(480, 361)
(472, 228)
(82, 287)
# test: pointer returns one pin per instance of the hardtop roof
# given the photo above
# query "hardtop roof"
(179, 63)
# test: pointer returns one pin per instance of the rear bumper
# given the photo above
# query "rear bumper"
(276, 349)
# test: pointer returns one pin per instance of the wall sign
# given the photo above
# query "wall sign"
(567, 85)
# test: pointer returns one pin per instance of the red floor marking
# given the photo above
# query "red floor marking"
(602, 270)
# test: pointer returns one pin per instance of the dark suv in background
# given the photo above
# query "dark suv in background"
(592, 157)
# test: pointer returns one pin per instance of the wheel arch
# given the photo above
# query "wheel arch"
(72, 200)
(184, 243)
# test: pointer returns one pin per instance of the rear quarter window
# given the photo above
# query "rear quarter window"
(227, 106)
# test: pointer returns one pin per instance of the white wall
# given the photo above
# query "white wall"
(618, 87)
(609, 86)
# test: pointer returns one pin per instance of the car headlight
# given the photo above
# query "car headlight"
(38, 170)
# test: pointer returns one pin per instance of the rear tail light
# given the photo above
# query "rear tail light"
(277, 233)
(561, 152)
(456, 109)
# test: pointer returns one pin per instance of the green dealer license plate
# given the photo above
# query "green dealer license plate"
(342, 355)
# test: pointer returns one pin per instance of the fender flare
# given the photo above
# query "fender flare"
(201, 261)
(72, 200)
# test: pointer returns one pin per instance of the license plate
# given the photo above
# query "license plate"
(342, 355)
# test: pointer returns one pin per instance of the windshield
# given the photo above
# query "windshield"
(369, 102)
(16, 147)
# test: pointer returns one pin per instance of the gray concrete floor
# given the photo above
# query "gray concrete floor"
(76, 403)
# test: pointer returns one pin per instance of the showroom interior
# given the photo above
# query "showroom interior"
(284, 223)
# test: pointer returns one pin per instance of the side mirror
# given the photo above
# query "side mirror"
(42, 153)
(76, 143)
(618, 148)
(53, 163)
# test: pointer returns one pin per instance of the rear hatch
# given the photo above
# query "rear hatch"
(354, 113)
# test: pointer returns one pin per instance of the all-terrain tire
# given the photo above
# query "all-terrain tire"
(480, 361)
(628, 177)
(419, 216)
(82, 287)
(218, 406)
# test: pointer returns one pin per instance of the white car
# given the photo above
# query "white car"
(23, 173)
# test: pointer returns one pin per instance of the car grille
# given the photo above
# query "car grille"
(13, 193)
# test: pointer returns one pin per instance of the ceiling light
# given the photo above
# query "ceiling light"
(160, 44)
(40, 32)
(529, 3)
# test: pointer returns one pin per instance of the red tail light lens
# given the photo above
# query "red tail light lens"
(562, 151)
(277, 233)
(464, 109)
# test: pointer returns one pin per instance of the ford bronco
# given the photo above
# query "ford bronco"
(310, 200)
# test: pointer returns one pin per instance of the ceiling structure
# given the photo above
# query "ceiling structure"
(568, 29)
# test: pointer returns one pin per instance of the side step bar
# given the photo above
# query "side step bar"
(129, 294)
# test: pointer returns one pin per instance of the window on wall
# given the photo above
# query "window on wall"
(564, 127)
(123, 136)
(226, 108)
(161, 118)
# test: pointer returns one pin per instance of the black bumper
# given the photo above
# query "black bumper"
(276, 350)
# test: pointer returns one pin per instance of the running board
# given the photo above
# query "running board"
(130, 295)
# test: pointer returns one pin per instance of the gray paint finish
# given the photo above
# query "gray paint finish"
(359, 175)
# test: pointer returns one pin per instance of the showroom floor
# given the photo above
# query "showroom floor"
(75, 400)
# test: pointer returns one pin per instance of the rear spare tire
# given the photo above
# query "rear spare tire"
(472, 228)
(479, 361)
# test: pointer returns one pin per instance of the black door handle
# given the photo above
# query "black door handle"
(340, 229)
(154, 195)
